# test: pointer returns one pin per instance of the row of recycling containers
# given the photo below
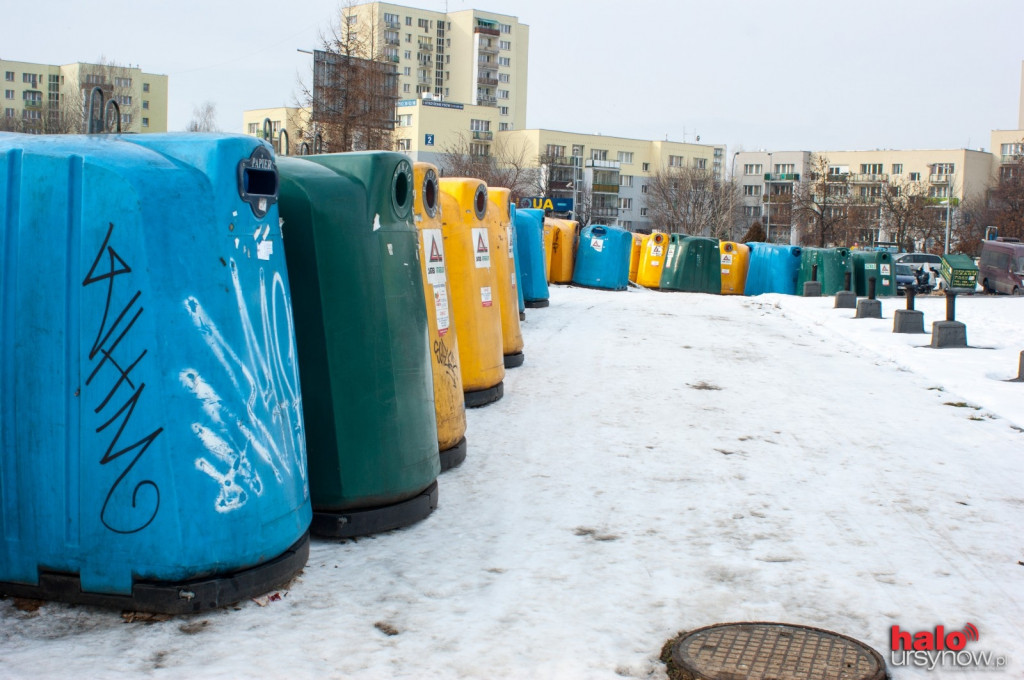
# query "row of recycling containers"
(210, 352)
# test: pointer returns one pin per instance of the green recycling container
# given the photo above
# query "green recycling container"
(832, 263)
(692, 264)
(875, 264)
(361, 333)
(959, 272)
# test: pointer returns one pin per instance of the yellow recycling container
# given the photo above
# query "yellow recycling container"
(634, 254)
(735, 260)
(563, 249)
(549, 241)
(499, 222)
(474, 302)
(449, 402)
(652, 260)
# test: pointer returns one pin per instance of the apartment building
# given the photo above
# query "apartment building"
(46, 98)
(614, 170)
(767, 181)
(292, 121)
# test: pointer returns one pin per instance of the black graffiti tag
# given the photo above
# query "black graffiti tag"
(446, 358)
(144, 505)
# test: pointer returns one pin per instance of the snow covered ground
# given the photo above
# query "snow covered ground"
(661, 462)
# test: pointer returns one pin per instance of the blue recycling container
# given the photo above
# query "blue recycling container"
(514, 249)
(773, 269)
(151, 413)
(530, 256)
(602, 259)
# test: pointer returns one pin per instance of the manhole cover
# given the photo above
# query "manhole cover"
(772, 651)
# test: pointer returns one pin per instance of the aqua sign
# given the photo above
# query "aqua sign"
(560, 205)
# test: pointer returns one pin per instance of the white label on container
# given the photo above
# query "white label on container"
(441, 309)
(597, 244)
(655, 263)
(433, 247)
(511, 246)
(885, 270)
(481, 248)
(264, 249)
(391, 249)
(885, 282)
(726, 258)
(513, 279)
(870, 265)
(656, 251)
(485, 296)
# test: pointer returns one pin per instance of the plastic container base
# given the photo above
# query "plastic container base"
(514, 360)
(368, 521)
(486, 396)
(188, 597)
(614, 290)
(454, 456)
(536, 304)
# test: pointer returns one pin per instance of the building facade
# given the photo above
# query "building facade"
(45, 98)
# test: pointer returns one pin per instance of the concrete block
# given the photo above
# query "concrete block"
(869, 309)
(949, 334)
(908, 321)
(812, 288)
(846, 299)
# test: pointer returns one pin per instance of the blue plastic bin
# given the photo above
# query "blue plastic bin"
(530, 256)
(602, 260)
(773, 269)
(151, 413)
(514, 246)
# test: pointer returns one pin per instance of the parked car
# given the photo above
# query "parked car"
(904, 278)
(1001, 266)
(931, 263)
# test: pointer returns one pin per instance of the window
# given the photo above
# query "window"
(94, 79)
(897, 168)
(126, 119)
(352, 19)
(9, 76)
(785, 168)
(476, 149)
(392, 37)
(405, 88)
(407, 71)
(504, 126)
(8, 94)
(503, 110)
(599, 154)
(626, 224)
(753, 169)
(505, 44)
(31, 114)
(405, 120)
(506, 28)
(700, 163)
(122, 82)
(871, 168)
(939, 191)
(145, 103)
(625, 157)
(504, 61)
(643, 212)
(253, 128)
(479, 125)
(915, 177)
(145, 122)
(408, 21)
(625, 180)
(646, 168)
(625, 204)
(404, 144)
(123, 100)
(32, 97)
(751, 211)
(407, 54)
(943, 169)
(391, 19)
(29, 78)
(554, 151)
(145, 87)
(676, 161)
(423, 23)
(8, 113)
(504, 77)
(751, 189)
(502, 94)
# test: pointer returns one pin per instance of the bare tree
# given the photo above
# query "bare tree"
(692, 201)
(354, 88)
(905, 212)
(1007, 199)
(821, 204)
(114, 81)
(204, 118)
(500, 166)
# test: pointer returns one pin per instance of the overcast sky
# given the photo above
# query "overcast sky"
(786, 74)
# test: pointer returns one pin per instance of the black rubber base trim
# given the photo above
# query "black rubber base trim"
(484, 397)
(613, 290)
(188, 597)
(368, 521)
(454, 456)
(536, 304)
(522, 316)
(514, 360)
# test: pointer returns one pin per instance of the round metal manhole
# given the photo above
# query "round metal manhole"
(771, 651)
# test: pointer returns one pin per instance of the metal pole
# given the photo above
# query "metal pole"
(949, 209)
(768, 204)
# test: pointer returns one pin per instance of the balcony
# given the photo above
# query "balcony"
(392, 24)
(611, 165)
(392, 41)
(483, 135)
(485, 100)
(483, 30)
(868, 178)
(425, 47)
(33, 104)
(1011, 159)
(940, 178)
(605, 188)
(604, 212)
(782, 177)
(487, 49)
(486, 80)
(567, 161)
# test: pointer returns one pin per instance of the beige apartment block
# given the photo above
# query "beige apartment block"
(290, 120)
(470, 57)
(45, 98)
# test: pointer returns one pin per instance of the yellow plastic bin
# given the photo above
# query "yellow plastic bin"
(499, 222)
(549, 243)
(449, 402)
(634, 255)
(652, 260)
(735, 261)
(474, 302)
(563, 249)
